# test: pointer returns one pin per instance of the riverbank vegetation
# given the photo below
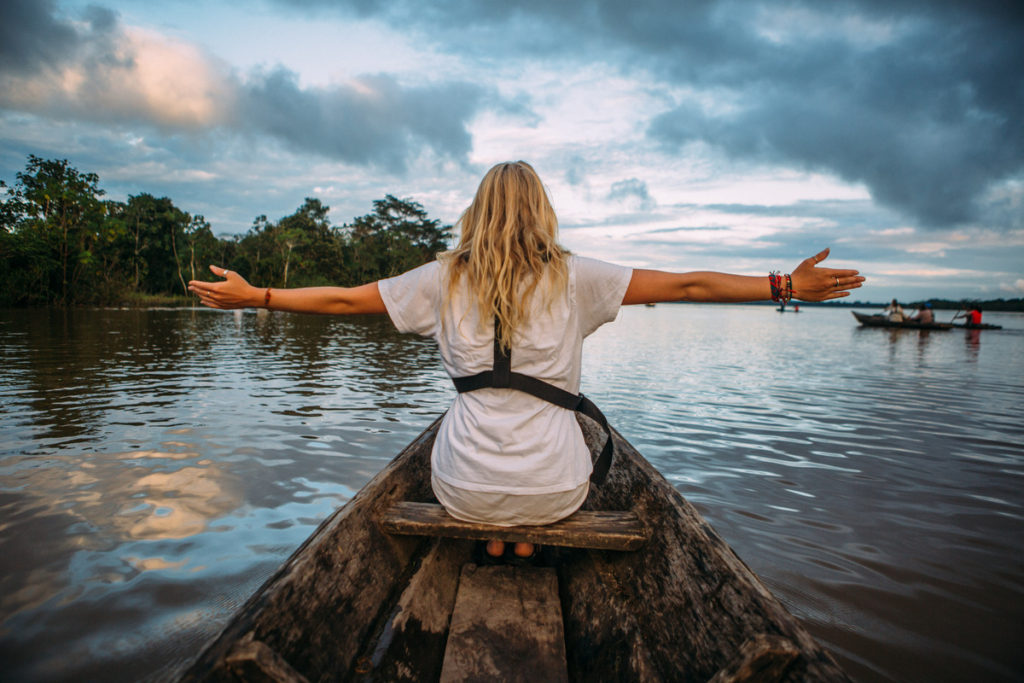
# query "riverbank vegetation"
(63, 243)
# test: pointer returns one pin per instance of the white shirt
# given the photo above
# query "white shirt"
(504, 440)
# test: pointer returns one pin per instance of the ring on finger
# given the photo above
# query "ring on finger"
(837, 280)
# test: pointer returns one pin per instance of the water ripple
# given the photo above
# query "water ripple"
(862, 475)
(158, 465)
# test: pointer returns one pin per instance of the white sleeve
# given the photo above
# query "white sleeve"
(413, 299)
(600, 287)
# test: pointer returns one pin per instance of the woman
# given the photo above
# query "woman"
(502, 456)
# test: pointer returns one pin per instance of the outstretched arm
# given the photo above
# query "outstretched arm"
(235, 292)
(810, 283)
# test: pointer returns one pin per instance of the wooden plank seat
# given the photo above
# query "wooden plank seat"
(506, 626)
(595, 529)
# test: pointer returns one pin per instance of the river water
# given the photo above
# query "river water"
(157, 465)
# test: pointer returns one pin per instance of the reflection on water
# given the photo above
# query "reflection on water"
(158, 465)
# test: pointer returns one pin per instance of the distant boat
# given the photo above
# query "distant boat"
(982, 326)
(883, 321)
(649, 305)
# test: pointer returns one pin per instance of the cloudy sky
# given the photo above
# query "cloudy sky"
(728, 134)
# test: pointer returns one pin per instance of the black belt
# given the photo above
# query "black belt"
(502, 377)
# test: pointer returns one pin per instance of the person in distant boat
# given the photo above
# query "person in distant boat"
(509, 290)
(924, 314)
(894, 312)
(972, 316)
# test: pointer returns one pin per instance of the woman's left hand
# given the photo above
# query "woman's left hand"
(811, 283)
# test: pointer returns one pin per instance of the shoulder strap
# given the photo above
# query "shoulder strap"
(502, 377)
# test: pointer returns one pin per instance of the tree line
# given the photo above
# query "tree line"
(62, 243)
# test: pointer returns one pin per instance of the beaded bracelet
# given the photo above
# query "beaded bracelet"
(780, 293)
(266, 298)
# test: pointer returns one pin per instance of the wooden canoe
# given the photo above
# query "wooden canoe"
(981, 326)
(882, 321)
(356, 603)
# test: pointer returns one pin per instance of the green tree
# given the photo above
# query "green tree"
(60, 211)
(315, 250)
(254, 251)
(299, 250)
(60, 242)
(55, 235)
(203, 247)
(396, 237)
(156, 229)
(26, 259)
(110, 276)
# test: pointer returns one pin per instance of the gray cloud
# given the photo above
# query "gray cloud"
(632, 188)
(31, 37)
(918, 99)
(928, 129)
(132, 80)
(373, 121)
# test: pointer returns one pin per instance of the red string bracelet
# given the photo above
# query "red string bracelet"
(780, 293)
(773, 282)
(266, 298)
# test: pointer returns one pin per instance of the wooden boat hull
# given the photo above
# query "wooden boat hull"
(982, 326)
(882, 321)
(354, 603)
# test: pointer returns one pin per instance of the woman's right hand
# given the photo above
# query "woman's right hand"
(812, 283)
(233, 292)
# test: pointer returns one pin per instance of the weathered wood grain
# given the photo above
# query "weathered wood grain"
(409, 643)
(357, 603)
(253, 661)
(762, 659)
(692, 600)
(597, 529)
(507, 626)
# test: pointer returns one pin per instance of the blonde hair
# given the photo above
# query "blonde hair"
(507, 245)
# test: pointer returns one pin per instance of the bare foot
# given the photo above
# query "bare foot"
(496, 548)
(523, 549)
